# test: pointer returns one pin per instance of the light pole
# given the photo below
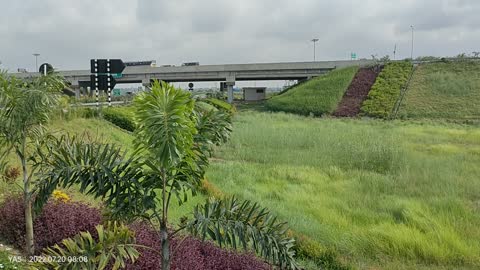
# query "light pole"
(314, 41)
(411, 53)
(36, 60)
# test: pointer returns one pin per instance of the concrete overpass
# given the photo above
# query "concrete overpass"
(224, 73)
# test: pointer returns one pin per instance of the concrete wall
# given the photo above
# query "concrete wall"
(254, 93)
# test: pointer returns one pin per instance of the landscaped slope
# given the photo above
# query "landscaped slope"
(357, 92)
(444, 90)
(386, 90)
(318, 96)
(386, 195)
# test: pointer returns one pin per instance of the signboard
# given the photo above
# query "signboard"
(353, 56)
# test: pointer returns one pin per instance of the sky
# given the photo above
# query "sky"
(69, 33)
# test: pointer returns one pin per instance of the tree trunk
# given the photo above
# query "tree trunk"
(27, 201)
(165, 247)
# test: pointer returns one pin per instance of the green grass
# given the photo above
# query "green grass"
(317, 96)
(444, 90)
(390, 195)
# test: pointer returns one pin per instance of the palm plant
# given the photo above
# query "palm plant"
(173, 140)
(25, 109)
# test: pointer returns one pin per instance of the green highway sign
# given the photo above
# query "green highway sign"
(353, 56)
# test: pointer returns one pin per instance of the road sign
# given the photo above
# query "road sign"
(102, 82)
(106, 66)
(44, 66)
(190, 86)
(116, 92)
(353, 56)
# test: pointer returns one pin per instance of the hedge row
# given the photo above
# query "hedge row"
(121, 117)
(386, 90)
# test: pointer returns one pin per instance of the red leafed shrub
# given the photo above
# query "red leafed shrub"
(56, 222)
(190, 253)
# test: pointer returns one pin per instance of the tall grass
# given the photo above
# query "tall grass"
(317, 96)
(379, 192)
(444, 90)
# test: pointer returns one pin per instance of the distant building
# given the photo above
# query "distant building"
(254, 93)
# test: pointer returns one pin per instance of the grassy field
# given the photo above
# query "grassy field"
(444, 90)
(386, 195)
(318, 96)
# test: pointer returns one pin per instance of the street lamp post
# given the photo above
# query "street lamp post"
(411, 53)
(36, 60)
(314, 48)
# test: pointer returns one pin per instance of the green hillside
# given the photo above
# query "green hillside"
(444, 90)
(317, 96)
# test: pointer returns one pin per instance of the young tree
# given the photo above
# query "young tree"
(25, 108)
(173, 140)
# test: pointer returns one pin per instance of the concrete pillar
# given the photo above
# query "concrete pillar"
(230, 91)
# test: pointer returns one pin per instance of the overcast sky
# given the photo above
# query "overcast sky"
(68, 33)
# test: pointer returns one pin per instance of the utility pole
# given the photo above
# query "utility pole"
(36, 60)
(411, 53)
(314, 48)
(394, 51)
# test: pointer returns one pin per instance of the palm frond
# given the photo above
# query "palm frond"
(115, 244)
(244, 224)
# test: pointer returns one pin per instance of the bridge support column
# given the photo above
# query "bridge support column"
(230, 91)
(147, 84)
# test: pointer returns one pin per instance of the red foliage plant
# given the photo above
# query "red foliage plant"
(190, 253)
(56, 222)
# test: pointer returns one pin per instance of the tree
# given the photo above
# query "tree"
(25, 108)
(173, 140)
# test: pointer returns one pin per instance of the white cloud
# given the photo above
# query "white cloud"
(68, 33)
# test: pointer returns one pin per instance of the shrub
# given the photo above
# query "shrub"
(189, 253)
(56, 222)
(386, 90)
(121, 117)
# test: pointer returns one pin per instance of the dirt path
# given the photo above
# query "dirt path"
(357, 92)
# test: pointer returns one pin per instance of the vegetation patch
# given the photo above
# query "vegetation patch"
(57, 221)
(121, 117)
(357, 92)
(446, 90)
(391, 195)
(317, 96)
(386, 90)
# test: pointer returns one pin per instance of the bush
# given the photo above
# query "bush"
(122, 117)
(317, 96)
(189, 253)
(56, 222)
(386, 90)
